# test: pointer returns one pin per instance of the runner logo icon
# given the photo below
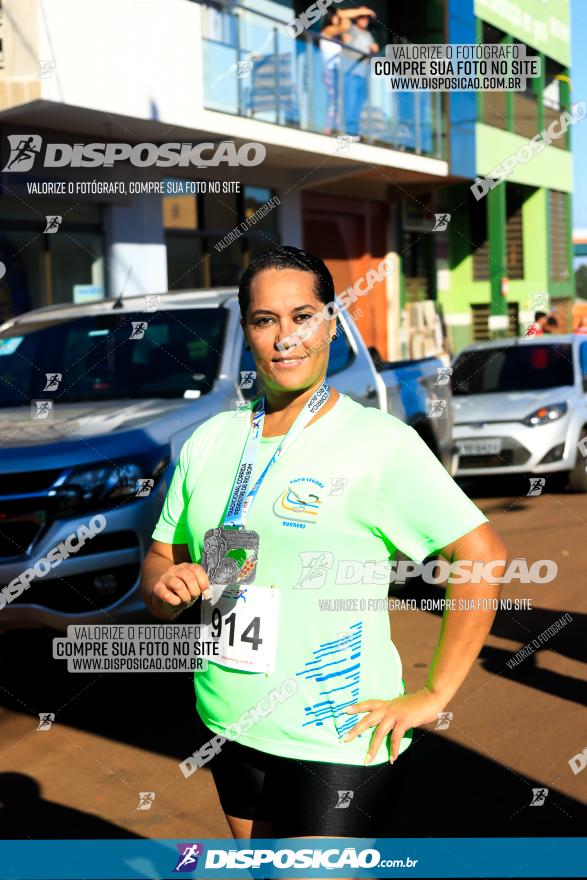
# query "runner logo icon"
(24, 148)
(315, 567)
(189, 853)
(344, 800)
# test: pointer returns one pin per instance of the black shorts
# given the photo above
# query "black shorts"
(307, 798)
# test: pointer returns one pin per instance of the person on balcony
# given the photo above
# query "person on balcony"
(357, 68)
(334, 32)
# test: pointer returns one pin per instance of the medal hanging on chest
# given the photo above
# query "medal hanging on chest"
(229, 556)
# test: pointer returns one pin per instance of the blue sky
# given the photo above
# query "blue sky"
(579, 93)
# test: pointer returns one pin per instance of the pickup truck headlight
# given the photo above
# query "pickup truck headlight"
(545, 415)
(101, 486)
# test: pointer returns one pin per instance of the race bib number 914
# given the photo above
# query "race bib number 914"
(244, 620)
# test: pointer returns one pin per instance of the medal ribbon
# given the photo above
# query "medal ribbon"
(241, 498)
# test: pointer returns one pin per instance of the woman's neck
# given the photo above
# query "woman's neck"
(278, 400)
(282, 408)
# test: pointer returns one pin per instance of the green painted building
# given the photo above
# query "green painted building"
(506, 250)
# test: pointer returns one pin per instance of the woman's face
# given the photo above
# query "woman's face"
(282, 301)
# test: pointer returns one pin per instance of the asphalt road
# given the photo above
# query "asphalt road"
(513, 729)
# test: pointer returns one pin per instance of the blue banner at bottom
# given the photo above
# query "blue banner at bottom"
(293, 857)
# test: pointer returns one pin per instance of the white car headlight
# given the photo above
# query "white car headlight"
(545, 415)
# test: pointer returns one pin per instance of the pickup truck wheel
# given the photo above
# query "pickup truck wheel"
(578, 475)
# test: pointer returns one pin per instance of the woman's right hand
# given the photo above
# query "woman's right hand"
(179, 586)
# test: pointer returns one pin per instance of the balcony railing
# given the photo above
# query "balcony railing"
(253, 68)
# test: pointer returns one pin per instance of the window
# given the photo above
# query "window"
(195, 229)
(479, 238)
(77, 267)
(180, 212)
(551, 98)
(515, 197)
(220, 211)
(22, 287)
(185, 266)
(559, 235)
(480, 322)
(227, 265)
(255, 198)
(45, 268)
(525, 106)
(551, 94)
(513, 318)
(256, 246)
(417, 264)
(583, 357)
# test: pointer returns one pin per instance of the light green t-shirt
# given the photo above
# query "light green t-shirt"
(356, 486)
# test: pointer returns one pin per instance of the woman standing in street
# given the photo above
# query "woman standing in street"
(307, 487)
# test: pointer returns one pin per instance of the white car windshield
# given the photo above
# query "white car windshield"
(513, 368)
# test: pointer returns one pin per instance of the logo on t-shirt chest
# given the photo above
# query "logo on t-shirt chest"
(298, 504)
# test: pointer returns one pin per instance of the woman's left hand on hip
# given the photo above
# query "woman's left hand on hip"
(395, 716)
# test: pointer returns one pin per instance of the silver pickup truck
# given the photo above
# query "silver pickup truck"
(96, 401)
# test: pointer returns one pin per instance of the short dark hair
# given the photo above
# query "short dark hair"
(329, 17)
(538, 315)
(287, 257)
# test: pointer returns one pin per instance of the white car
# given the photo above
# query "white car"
(520, 407)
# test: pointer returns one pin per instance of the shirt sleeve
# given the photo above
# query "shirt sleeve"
(171, 526)
(419, 506)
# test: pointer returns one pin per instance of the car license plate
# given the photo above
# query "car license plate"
(479, 447)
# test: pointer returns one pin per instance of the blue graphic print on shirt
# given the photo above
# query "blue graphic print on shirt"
(333, 663)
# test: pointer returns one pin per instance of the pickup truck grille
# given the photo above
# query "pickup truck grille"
(16, 536)
(31, 481)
